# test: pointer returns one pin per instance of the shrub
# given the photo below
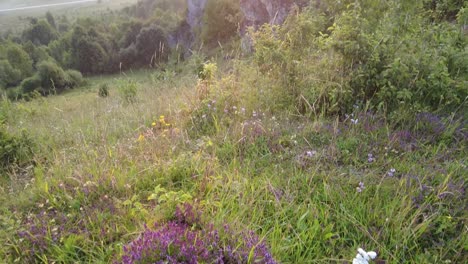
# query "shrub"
(208, 72)
(220, 20)
(31, 84)
(74, 78)
(103, 90)
(14, 150)
(53, 78)
(128, 91)
(9, 76)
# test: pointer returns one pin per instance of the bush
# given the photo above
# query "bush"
(8, 75)
(31, 84)
(365, 55)
(14, 150)
(74, 78)
(103, 90)
(221, 20)
(128, 91)
(53, 77)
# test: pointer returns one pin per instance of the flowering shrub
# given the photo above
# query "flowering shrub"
(185, 240)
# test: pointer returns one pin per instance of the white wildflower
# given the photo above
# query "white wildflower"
(364, 257)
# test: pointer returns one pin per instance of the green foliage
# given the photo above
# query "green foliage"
(8, 75)
(444, 9)
(37, 54)
(60, 50)
(367, 55)
(220, 21)
(103, 90)
(74, 78)
(87, 52)
(19, 60)
(14, 150)
(40, 33)
(208, 72)
(53, 78)
(128, 91)
(51, 20)
(31, 84)
(149, 49)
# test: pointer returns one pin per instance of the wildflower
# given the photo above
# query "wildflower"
(361, 187)
(391, 172)
(141, 138)
(310, 154)
(370, 158)
(254, 114)
(354, 121)
(364, 257)
(153, 124)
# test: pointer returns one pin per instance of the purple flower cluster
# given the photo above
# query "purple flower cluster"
(429, 126)
(41, 231)
(184, 240)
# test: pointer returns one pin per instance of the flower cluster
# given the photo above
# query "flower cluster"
(364, 257)
(361, 187)
(184, 240)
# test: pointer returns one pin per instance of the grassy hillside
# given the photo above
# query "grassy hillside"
(339, 131)
(17, 21)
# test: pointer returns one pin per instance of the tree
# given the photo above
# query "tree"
(87, 54)
(221, 20)
(8, 75)
(53, 78)
(40, 33)
(51, 20)
(19, 60)
(149, 49)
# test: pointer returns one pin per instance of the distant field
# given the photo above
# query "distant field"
(16, 19)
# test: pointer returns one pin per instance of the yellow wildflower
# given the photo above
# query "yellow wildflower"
(153, 124)
(141, 138)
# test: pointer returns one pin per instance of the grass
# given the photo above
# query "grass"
(17, 21)
(313, 188)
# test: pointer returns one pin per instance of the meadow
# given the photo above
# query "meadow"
(313, 189)
(16, 21)
(325, 138)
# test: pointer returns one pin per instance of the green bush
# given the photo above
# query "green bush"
(53, 78)
(220, 20)
(103, 90)
(74, 78)
(128, 91)
(9, 76)
(31, 84)
(390, 61)
(14, 150)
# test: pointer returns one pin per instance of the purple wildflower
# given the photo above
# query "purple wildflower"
(361, 187)
(180, 242)
(391, 172)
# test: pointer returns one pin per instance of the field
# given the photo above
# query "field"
(344, 130)
(313, 189)
(17, 20)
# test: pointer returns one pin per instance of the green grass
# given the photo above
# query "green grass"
(292, 180)
(17, 21)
